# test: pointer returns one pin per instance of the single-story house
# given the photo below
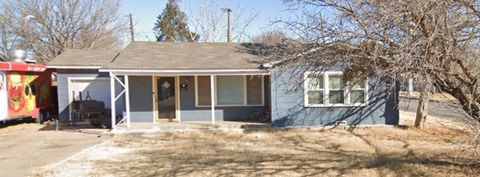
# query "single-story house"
(185, 82)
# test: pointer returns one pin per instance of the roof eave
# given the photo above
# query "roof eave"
(187, 71)
(72, 67)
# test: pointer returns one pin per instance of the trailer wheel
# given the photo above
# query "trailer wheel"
(43, 116)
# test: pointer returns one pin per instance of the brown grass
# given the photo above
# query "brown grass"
(438, 150)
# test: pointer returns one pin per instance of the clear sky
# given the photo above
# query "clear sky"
(146, 11)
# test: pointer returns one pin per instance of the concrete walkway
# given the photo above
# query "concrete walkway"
(27, 148)
(166, 126)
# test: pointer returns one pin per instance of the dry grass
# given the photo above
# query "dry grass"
(434, 151)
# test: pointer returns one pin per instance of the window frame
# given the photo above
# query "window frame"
(245, 92)
(326, 91)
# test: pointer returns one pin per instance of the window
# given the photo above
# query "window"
(203, 90)
(330, 89)
(357, 92)
(315, 90)
(231, 91)
(254, 90)
(336, 89)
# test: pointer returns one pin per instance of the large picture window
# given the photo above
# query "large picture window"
(329, 89)
(230, 91)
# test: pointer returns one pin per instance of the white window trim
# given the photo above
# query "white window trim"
(244, 93)
(326, 91)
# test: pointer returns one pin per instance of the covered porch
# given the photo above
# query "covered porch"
(189, 98)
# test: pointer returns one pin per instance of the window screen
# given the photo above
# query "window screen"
(230, 90)
(203, 90)
(254, 90)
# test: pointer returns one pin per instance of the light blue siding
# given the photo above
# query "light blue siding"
(288, 104)
(141, 98)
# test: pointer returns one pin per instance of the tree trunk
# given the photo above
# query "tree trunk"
(410, 87)
(422, 109)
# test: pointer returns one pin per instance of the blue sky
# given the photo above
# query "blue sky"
(146, 11)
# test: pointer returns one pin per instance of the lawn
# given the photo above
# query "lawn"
(438, 150)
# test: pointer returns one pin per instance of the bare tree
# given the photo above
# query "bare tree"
(270, 37)
(210, 22)
(431, 41)
(48, 27)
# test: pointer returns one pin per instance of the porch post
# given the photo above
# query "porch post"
(112, 100)
(127, 99)
(212, 96)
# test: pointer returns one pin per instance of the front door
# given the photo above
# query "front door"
(166, 97)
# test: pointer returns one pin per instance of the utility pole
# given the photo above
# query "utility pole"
(132, 34)
(229, 26)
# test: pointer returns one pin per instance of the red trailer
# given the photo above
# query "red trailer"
(25, 91)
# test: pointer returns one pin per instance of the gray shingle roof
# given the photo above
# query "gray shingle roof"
(164, 56)
(79, 57)
(184, 56)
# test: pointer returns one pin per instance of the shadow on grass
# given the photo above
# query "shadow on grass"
(277, 154)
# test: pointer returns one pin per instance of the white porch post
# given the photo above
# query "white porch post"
(212, 96)
(112, 100)
(127, 99)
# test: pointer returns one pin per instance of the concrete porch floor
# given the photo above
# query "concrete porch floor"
(174, 126)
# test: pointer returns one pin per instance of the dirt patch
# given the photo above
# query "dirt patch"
(8, 129)
(437, 150)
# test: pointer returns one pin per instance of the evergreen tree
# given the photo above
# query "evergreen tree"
(171, 25)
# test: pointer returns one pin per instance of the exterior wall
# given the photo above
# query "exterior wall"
(63, 92)
(141, 100)
(3, 96)
(288, 104)
(189, 111)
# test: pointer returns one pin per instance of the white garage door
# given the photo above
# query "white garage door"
(98, 90)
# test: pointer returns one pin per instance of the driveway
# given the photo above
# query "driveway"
(444, 110)
(26, 146)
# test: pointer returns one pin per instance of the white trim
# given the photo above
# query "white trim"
(70, 96)
(326, 91)
(177, 97)
(119, 81)
(245, 99)
(72, 67)
(154, 118)
(127, 100)
(212, 96)
(155, 95)
(180, 71)
(112, 102)
(120, 94)
(191, 74)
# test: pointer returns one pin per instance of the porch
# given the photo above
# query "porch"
(174, 126)
(179, 100)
